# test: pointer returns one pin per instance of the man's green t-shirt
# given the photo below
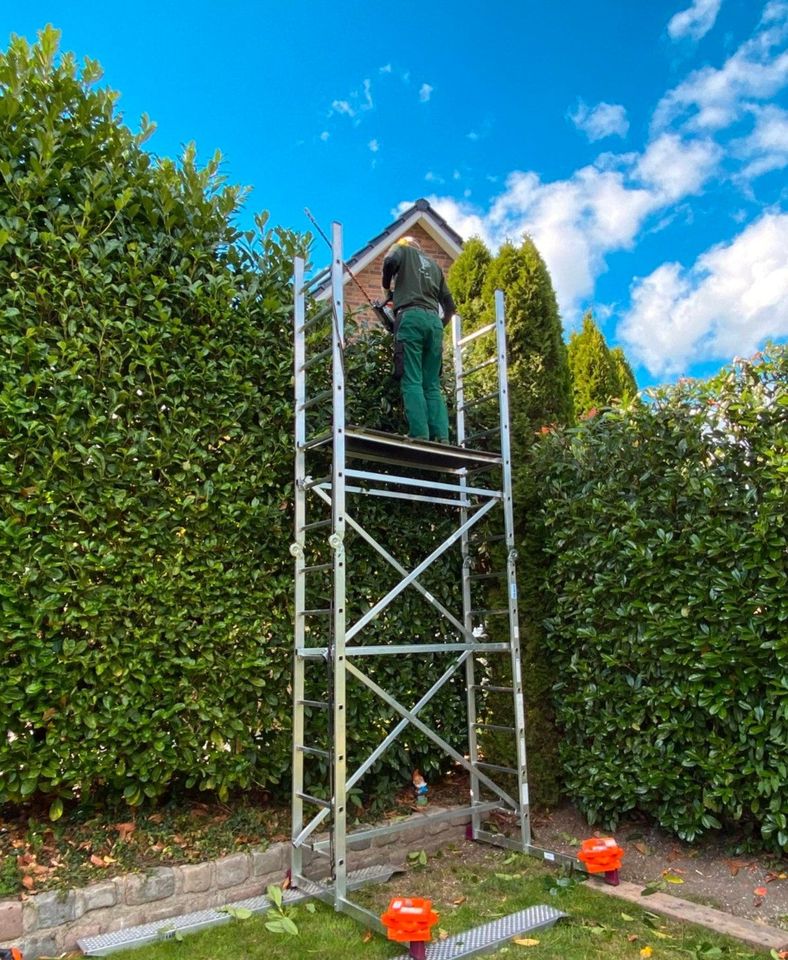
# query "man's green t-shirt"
(419, 282)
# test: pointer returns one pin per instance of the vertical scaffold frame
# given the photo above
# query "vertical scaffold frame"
(338, 652)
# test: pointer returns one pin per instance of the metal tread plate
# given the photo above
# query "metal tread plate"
(355, 879)
(191, 922)
(491, 935)
(392, 448)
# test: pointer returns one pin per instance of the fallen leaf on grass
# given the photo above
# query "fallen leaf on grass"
(632, 937)
(459, 900)
(367, 936)
(760, 891)
(443, 934)
(646, 952)
(773, 875)
(526, 942)
(125, 830)
(28, 882)
(626, 917)
(642, 848)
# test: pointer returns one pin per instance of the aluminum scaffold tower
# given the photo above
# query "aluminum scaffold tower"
(476, 485)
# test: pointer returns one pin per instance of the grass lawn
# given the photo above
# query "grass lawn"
(469, 885)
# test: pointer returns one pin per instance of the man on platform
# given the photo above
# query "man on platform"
(419, 291)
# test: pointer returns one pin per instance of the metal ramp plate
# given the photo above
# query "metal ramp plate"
(146, 933)
(391, 448)
(355, 879)
(491, 935)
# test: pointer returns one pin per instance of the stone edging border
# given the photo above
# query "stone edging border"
(751, 933)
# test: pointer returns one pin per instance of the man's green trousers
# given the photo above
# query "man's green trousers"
(419, 349)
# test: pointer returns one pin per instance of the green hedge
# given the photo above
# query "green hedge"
(146, 468)
(665, 527)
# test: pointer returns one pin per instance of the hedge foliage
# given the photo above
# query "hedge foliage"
(144, 455)
(664, 524)
(146, 469)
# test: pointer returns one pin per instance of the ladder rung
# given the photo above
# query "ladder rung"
(318, 850)
(319, 612)
(481, 366)
(312, 653)
(492, 689)
(478, 400)
(491, 613)
(321, 314)
(316, 358)
(482, 433)
(476, 333)
(317, 704)
(493, 726)
(488, 576)
(496, 538)
(496, 767)
(307, 798)
(313, 751)
(315, 524)
(318, 397)
(318, 566)
(316, 441)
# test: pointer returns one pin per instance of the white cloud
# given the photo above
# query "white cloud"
(603, 120)
(733, 298)
(431, 177)
(425, 92)
(358, 102)
(673, 168)
(766, 147)
(694, 22)
(374, 146)
(713, 98)
(472, 135)
(325, 135)
(385, 69)
(343, 107)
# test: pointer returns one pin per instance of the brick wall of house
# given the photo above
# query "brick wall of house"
(369, 277)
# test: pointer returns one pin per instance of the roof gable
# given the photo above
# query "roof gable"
(422, 214)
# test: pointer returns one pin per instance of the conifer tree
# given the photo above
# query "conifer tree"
(627, 385)
(466, 280)
(595, 380)
(539, 394)
(538, 366)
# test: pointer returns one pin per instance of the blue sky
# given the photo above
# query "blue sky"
(643, 145)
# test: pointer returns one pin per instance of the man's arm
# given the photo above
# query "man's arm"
(390, 268)
(446, 301)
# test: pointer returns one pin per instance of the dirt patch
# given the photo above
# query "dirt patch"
(752, 885)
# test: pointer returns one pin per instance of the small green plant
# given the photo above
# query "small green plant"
(281, 922)
(564, 880)
(417, 858)
(237, 913)
(170, 933)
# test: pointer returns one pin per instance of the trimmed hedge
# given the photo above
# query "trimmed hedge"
(146, 468)
(665, 527)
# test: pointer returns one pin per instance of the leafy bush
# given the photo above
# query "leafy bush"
(144, 455)
(146, 468)
(665, 527)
